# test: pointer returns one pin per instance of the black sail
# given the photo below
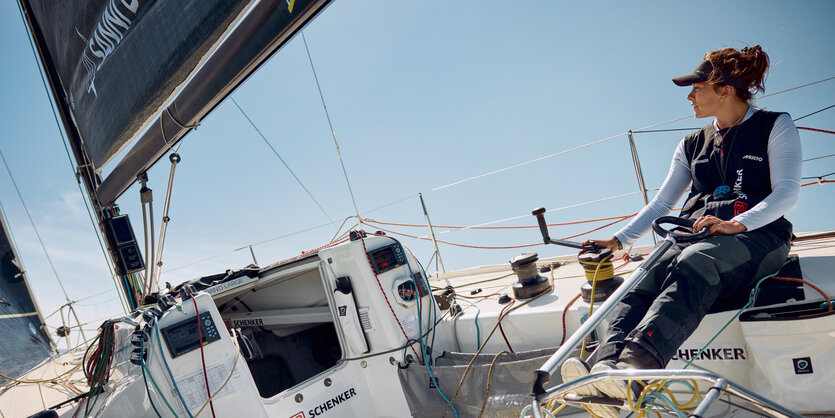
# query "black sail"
(118, 61)
(25, 343)
(114, 65)
(267, 27)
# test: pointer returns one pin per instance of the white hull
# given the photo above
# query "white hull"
(295, 303)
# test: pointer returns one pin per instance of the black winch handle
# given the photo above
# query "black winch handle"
(543, 228)
(676, 235)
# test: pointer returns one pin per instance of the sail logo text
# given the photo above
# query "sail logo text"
(111, 29)
(753, 158)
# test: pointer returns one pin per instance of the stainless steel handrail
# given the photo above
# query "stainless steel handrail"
(720, 384)
(543, 374)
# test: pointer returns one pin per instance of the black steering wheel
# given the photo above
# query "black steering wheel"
(676, 235)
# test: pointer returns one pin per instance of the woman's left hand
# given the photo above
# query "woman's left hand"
(718, 226)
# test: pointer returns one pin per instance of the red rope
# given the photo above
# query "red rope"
(383, 292)
(202, 354)
(457, 245)
(564, 330)
(816, 130)
(792, 279)
(817, 182)
(604, 226)
(482, 247)
(501, 316)
(492, 227)
(306, 253)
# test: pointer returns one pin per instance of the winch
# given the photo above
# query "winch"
(600, 275)
(530, 283)
(596, 262)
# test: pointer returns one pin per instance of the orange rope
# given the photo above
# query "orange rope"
(305, 253)
(376, 224)
(604, 226)
(792, 279)
(816, 130)
(458, 245)
(619, 219)
(817, 182)
(496, 227)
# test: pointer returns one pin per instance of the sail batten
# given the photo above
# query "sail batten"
(267, 27)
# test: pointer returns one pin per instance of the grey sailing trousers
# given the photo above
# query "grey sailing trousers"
(667, 306)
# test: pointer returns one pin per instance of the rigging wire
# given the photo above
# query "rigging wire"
(818, 158)
(600, 141)
(693, 129)
(478, 226)
(810, 114)
(330, 124)
(818, 177)
(281, 159)
(606, 139)
(798, 87)
(29, 215)
(663, 130)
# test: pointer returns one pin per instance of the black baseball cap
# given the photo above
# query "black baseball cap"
(702, 74)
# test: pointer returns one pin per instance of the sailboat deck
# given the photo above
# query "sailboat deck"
(529, 325)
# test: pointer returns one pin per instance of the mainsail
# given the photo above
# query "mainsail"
(113, 64)
(25, 342)
(118, 61)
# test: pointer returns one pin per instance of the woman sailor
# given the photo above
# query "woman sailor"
(744, 173)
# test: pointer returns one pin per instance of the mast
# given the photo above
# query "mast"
(85, 171)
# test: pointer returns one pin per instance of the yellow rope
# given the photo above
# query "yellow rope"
(558, 409)
(591, 302)
(228, 378)
(489, 380)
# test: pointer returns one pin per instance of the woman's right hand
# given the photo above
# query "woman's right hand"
(602, 243)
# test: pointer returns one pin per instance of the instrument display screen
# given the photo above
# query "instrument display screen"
(182, 336)
(387, 258)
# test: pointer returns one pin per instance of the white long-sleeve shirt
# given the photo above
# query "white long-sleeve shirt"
(784, 163)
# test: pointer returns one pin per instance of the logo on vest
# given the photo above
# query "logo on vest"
(740, 207)
(738, 186)
(753, 158)
(700, 161)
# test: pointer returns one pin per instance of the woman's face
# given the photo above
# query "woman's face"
(705, 99)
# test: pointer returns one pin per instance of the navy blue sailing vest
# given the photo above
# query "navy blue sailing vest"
(731, 175)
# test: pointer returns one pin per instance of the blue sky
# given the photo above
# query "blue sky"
(421, 95)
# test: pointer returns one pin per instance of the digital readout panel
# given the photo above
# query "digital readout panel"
(387, 258)
(182, 336)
